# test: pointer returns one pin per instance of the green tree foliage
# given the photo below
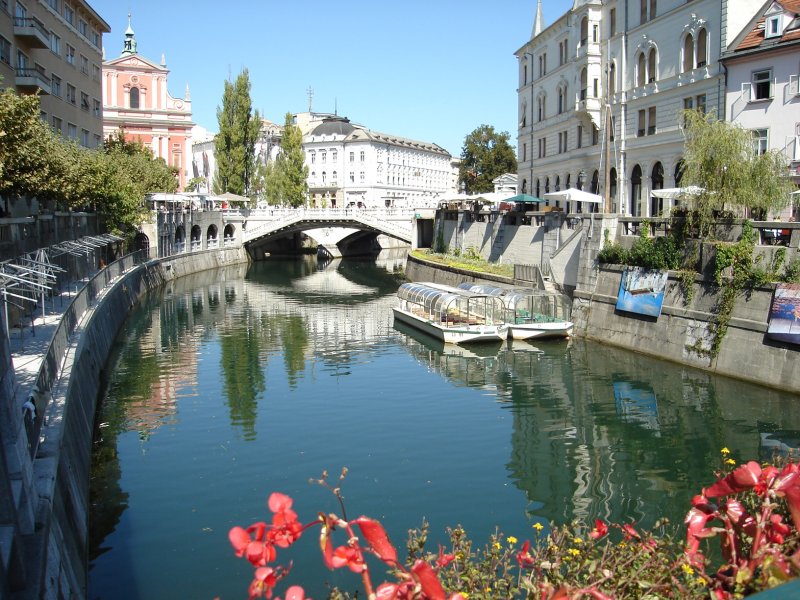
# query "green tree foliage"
(720, 158)
(286, 180)
(235, 144)
(485, 155)
(113, 180)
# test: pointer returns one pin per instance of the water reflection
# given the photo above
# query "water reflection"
(236, 381)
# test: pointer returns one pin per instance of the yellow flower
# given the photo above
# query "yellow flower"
(730, 461)
(578, 540)
(687, 569)
(464, 595)
(574, 551)
(497, 545)
(725, 451)
(699, 581)
(512, 540)
(538, 526)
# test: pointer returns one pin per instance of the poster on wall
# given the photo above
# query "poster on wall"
(784, 316)
(641, 291)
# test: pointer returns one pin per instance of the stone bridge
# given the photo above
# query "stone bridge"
(266, 225)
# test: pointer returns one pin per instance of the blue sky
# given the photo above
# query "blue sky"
(431, 71)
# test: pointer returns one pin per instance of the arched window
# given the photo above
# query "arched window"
(562, 99)
(547, 185)
(537, 188)
(134, 97)
(334, 176)
(679, 172)
(702, 42)
(657, 183)
(524, 110)
(595, 187)
(612, 185)
(584, 30)
(688, 53)
(636, 191)
(612, 79)
(558, 183)
(540, 107)
(524, 186)
(323, 177)
(651, 65)
(640, 70)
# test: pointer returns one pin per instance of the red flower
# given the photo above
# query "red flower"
(295, 593)
(377, 539)
(743, 478)
(258, 550)
(630, 532)
(426, 577)
(444, 559)
(600, 530)
(347, 556)
(263, 583)
(395, 591)
(285, 526)
(523, 556)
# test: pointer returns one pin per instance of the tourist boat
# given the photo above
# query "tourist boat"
(530, 313)
(450, 314)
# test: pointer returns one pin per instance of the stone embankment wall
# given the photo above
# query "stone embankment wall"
(44, 515)
(745, 352)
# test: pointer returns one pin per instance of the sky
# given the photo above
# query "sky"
(431, 71)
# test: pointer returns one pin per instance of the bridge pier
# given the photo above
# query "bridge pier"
(330, 250)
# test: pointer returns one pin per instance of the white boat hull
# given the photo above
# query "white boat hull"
(458, 334)
(527, 331)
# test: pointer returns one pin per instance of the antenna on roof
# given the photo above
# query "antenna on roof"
(336, 106)
(310, 92)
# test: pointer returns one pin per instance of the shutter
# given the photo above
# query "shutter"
(794, 88)
(747, 91)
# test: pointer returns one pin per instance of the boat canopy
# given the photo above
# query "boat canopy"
(524, 303)
(450, 302)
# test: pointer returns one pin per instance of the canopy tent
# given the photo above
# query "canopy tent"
(230, 197)
(673, 193)
(574, 195)
(524, 198)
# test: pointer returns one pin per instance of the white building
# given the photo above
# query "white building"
(601, 92)
(350, 165)
(762, 92)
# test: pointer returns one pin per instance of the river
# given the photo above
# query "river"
(228, 385)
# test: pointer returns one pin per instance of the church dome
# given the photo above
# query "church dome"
(334, 126)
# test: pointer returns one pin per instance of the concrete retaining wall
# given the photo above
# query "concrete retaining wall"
(44, 530)
(745, 352)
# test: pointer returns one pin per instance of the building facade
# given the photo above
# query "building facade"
(350, 165)
(762, 95)
(136, 100)
(601, 92)
(54, 48)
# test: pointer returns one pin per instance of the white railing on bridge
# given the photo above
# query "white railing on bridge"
(387, 220)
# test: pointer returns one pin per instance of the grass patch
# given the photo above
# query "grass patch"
(469, 262)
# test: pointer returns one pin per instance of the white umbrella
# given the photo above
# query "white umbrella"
(672, 193)
(574, 195)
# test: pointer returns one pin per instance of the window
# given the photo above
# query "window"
(4, 5)
(595, 33)
(22, 60)
(53, 4)
(584, 30)
(612, 79)
(69, 15)
(84, 65)
(55, 85)
(70, 93)
(352, 177)
(563, 52)
(361, 156)
(312, 157)
(612, 22)
(540, 107)
(95, 72)
(5, 50)
(334, 176)
(85, 101)
(361, 177)
(20, 12)
(133, 98)
(584, 83)
(562, 142)
(96, 141)
(701, 103)
(760, 141)
(72, 131)
(579, 136)
(83, 28)
(702, 42)
(524, 74)
(651, 65)
(688, 53)
(334, 155)
(96, 108)
(595, 88)
(773, 28)
(352, 157)
(57, 125)
(762, 85)
(524, 152)
(323, 157)
(324, 175)
(85, 138)
(55, 43)
(640, 70)
(640, 130)
(562, 92)
(95, 38)
(651, 120)
(70, 55)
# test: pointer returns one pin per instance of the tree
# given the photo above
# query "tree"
(485, 155)
(720, 158)
(286, 181)
(235, 144)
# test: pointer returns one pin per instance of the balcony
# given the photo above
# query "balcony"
(33, 31)
(31, 81)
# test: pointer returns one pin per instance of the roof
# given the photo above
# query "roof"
(334, 126)
(754, 34)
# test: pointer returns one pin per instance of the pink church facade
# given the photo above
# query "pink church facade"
(136, 100)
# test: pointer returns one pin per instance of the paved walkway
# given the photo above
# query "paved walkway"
(30, 343)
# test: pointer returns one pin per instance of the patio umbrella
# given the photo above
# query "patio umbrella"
(672, 193)
(524, 198)
(574, 195)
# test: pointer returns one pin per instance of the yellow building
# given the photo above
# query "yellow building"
(54, 48)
